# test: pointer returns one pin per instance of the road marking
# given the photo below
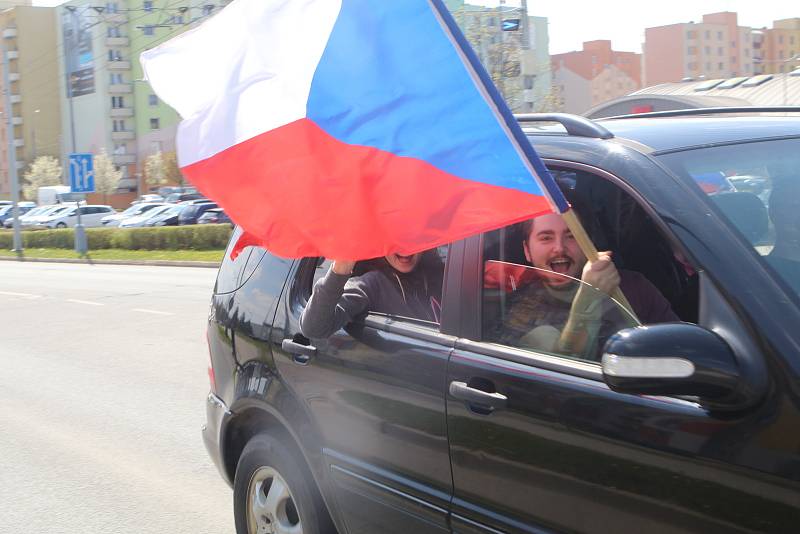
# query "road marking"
(23, 295)
(155, 312)
(87, 302)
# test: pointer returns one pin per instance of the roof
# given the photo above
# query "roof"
(777, 89)
(682, 132)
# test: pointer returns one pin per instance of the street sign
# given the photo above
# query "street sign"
(510, 25)
(81, 173)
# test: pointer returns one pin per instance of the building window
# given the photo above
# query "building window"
(152, 100)
(113, 31)
(147, 5)
(118, 125)
(791, 39)
(148, 30)
(708, 34)
(120, 148)
(117, 102)
(155, 124)
(528, 81)
(719, 36)
(721, 65)
(720, 51)
(708, 67)
(114, 55)
(207, 9)
(177, 19)
(707, 50)
(692, 50)
(112, 7)
(691, 34)
(733, 44)
(155, 147)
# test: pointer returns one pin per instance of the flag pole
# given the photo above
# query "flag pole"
(590, 251)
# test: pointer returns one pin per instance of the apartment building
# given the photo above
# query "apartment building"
(106, 104)
(28, 40)
(514, 48)
(594, 75)
(779, 47)
(717, 47)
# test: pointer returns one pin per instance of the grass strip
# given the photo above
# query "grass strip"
(121, 254)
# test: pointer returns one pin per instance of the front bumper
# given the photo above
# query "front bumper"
(217, 415)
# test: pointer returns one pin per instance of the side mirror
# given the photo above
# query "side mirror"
(675, 359)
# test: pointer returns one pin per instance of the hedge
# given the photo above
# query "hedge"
(192, 237)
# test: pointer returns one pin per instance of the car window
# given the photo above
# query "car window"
(315, 268)
(756, 187)
(532, 296)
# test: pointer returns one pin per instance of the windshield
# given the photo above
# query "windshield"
(756, 186)
(155, 212)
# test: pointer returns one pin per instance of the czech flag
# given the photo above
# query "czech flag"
(349, 129)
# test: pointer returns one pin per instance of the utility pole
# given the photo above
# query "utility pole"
(12, 153)
(81, 243)
(526, 40)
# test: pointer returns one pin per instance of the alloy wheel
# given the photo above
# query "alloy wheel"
(270, 506)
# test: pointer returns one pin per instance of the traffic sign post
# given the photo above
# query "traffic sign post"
(81, 180)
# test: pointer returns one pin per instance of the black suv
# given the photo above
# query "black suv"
(395, 425)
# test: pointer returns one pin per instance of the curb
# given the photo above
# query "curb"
(157, 263)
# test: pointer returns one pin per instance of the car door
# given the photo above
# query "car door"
(540, 443)
(374, 392)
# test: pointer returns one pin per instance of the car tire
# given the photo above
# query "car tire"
(61, 225)
(272, 492)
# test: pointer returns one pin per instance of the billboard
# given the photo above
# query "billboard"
(78, 58)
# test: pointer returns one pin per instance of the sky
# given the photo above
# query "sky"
(571, 22)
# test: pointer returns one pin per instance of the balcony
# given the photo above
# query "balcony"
(119, 64)
(127, 135)
(120, 88)
(19, 142)
(16, 121)
(13, 76)
(13, 54)
(15, 99)
(117, 41)
(9, 33)
(121, 112)
(123, 159)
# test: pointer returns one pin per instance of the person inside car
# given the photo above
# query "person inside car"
(566, 309)
(406, 286)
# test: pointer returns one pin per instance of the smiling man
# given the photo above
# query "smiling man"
(566, 309)
(404, 286)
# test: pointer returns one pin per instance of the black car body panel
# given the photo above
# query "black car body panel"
(393, 447)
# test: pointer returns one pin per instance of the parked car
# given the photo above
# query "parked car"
(396, 425)
(181, 197)
(133, 211)
(168, 217)
(7, 211)
(143, 218)
(150, 198)
(36, 215)
(91, 216)
(214, 216)
(193, 211)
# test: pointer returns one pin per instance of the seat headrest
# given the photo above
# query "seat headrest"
(746, 211)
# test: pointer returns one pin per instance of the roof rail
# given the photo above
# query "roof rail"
(708, 111)
(574, 124)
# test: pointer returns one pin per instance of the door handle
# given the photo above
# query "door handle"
(461, 391)
(301, 354)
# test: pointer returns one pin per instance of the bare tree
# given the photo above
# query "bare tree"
(172, 173)
(106, 175)
(44, 171)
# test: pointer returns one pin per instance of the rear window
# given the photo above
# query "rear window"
(756, 186)
(235, 272)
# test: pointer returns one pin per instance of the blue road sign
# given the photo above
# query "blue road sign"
(81, 173)
(510, 25)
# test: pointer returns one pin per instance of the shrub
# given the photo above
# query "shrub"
(196, 237)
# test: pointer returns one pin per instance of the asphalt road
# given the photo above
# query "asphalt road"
(102, 395)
